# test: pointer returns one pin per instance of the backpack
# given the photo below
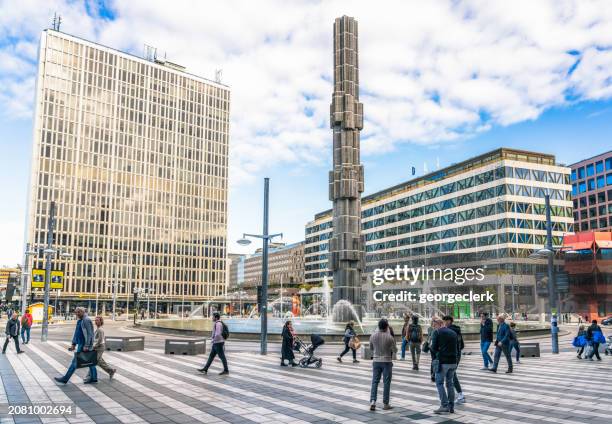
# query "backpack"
(224, 331)
(24, 321)
(414, 334)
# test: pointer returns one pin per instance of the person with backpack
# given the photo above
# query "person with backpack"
(581, 333)
(349, 342)
(26, 325)
(220, 333)
(415, 338)
(594, 336)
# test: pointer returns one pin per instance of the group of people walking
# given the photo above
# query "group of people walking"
(15, 327)
(592, 338)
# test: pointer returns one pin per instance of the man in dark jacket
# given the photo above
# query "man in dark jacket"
(593, 328)
(12, 332)
(82, 341)
(502, 344)
(486, 338)
(444, 345)
(449, 322)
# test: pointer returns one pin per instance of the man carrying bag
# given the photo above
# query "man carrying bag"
(85, 355)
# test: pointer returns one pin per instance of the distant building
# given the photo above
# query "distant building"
(487, 211)
(589, 268)
(235, 263)
(592, 193)
(8, 275)
(285, 266)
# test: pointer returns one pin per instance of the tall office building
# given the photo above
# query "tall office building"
(134, 152)
(592, 193)
(485, 211)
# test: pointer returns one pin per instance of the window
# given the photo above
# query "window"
(599, 167)
(590, 170)
(608, 164)
(573, 175)
(583, 202)
(580, 173)
(600, 182)
(609, 179)
(582, 187)
(574, 190)
(591, 184)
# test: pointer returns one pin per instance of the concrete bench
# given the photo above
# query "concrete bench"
(530, 350)
(185, 347)
(125, 344)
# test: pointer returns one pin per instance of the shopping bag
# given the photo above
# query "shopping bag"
(355, 343)
(598, 337)
(588, 350)
(86, 359)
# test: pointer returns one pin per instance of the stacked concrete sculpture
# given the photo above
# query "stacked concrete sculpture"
(346, 246)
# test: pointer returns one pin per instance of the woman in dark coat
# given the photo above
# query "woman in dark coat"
(287, 348)
(349, 333)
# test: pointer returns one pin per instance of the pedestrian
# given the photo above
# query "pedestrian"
(592, 338)
(82, 341)
(12, 332)
(100, 347)
(436, 323)
(581, 333)
(405, 337)
(444, 348)
(449, 322)
(415, 338)
(383, 347)
(514, 344)
(288, 336)
(503, 339)
(26, 325)
(349, 342)
(219, 334)
(486, 338)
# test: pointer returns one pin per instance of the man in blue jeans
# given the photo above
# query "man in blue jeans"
(82, 341)
(503, 339)
(384, 349)
(486, 338)
(445, 349)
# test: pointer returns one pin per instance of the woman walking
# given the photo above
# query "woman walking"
(349, 342)
(100, 347)
(581, 333)
(514, 342)
(288, 336)
(415, 338)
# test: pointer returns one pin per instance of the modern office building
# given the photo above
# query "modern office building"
(486, 212)
(134, 152)
(592, 193)
(9, 278)
(235, 265)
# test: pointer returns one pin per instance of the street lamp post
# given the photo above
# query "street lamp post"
(265, 237)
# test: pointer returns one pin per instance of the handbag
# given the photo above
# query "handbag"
(425, 347)
(355, 343)
(86, 359)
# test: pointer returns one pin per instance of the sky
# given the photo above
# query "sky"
(440, 82)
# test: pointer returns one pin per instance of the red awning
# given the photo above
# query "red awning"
(579, 245)
(604, 244)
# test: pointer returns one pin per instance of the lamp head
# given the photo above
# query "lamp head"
(243, 241)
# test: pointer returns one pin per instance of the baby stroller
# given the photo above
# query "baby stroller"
(608, 345)
(308, 351)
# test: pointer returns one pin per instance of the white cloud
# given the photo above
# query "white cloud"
(430, 71)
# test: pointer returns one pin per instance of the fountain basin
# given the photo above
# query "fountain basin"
(249, 328)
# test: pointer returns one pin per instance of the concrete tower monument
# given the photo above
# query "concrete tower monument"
(346, 179)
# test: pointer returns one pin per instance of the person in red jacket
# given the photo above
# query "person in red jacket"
(26, 324)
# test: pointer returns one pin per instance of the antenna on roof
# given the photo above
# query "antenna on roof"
(150, 53)
(218, 75)
(57, 21)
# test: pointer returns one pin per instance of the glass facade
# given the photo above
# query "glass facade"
(135, 155)
(592, 196)
(490, 214)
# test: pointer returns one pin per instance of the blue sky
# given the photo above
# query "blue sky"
(440, 82)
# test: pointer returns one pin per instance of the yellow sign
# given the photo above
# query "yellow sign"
(38, 279)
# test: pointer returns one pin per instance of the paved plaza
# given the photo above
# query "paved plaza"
(157, 388)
